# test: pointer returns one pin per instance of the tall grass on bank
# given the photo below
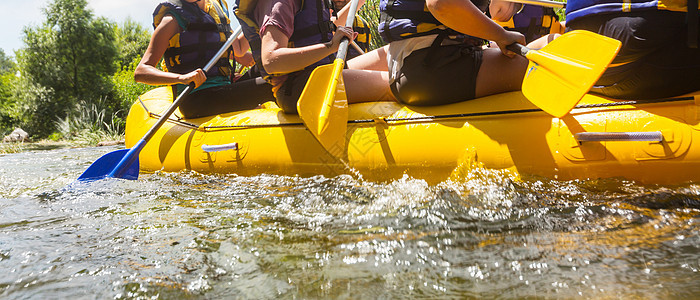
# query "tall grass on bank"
(89, 124)
(7, 148)
(370, 12)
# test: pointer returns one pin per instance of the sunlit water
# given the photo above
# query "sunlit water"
(188, 235)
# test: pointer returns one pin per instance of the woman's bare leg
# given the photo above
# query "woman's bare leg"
(367, 86)
(543, 41)
(374, 60)
(499, 73)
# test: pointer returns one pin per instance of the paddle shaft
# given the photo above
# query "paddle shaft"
(545, 3)
(519, 49)
(133, 153)
(522, 50)
(339, 64)
(354, 45)
(343, 49)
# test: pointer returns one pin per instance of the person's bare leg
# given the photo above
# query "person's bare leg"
(499, 73)
(367, 86)
(543, 41)
(374, 60)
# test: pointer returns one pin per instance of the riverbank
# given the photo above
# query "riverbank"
(7, 148)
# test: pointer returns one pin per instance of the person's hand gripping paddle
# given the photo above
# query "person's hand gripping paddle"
(323, 105)
(124, 163)
(564, 70)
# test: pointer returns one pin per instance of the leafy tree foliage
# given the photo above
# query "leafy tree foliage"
(7, 65)
(7, 103)
(131, 40)
(71, 57)
(33, 109)
(126, 90)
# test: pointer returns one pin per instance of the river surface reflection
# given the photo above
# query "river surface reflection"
(188, 235)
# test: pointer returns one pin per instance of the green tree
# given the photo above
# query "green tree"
(131, 40)
(126, 90)
(6, 63)
(7, 103)
(69, 58)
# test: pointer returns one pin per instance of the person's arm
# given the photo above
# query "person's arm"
(240, 51)
(463, 16)
(146, 71)
(502, 10)
(343, 13)
(278, 58)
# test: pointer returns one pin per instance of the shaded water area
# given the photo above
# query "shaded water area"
(188, 235)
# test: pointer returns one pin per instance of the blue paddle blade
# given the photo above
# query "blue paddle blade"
(103, 166)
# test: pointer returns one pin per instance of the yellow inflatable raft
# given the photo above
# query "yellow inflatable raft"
(646, 141)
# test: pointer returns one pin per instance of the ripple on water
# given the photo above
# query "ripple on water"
(489, 234)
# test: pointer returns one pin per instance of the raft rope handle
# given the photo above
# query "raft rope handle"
(218, 148)
(155, 115)
(424, 118)
(652, 136)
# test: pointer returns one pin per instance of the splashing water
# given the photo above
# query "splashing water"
(188, 235)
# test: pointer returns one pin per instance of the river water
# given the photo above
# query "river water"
(188, 235)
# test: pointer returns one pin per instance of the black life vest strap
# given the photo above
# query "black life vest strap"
(363, 28)
(431, 57)
(193, 48)
(202, 27)
(222, 26)
(223, 62)
(533, 29)
(334, 10)
(692, 20)
(323, 27)
(466, 41)
(397, 14)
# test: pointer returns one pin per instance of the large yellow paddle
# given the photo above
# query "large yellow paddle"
(323, 105)
(563, 71)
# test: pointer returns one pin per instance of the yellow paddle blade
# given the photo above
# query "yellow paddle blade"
(323, 107)
(562, 72)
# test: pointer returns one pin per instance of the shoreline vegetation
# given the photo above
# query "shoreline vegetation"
(72, 82)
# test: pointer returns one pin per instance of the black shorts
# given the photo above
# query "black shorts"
(288, 94)
(654, 61)
(438, 75)
(241, 95)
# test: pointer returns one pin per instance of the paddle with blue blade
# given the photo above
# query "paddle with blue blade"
(124, 163)
(563, 71)
(323, 105)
